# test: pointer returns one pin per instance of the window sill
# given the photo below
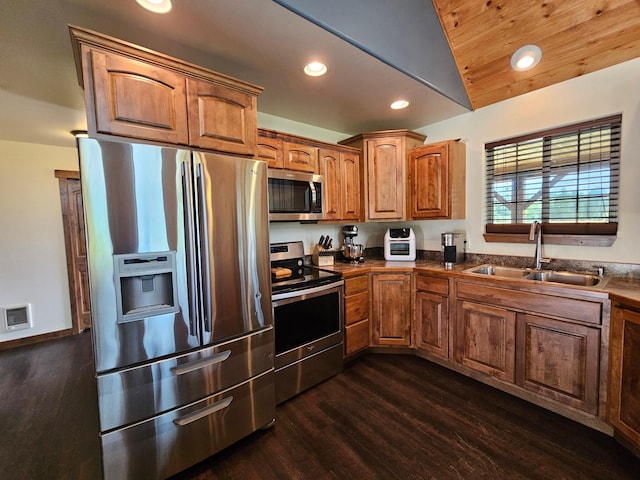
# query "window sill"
(551, 239)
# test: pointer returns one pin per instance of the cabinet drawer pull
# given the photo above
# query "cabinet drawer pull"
(203, 362)
(203, 412)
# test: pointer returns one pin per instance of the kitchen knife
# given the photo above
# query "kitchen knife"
(321, 242)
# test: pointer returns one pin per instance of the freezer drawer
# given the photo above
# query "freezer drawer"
(169, 443)
(138, 393)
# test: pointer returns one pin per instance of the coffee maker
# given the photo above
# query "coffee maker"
(351, 252)
(452, 249)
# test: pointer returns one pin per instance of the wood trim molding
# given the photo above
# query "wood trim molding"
(550, 239)
(19, 342)
(67, 174)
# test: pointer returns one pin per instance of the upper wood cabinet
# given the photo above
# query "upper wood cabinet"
(301, 157)
(270, 149)
(134, 92)
(437, 181)
(341, 172)
(385, 172)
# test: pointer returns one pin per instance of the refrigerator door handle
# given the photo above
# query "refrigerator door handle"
(203, 412)
(203, 362)
(192, 278)
(204, 242)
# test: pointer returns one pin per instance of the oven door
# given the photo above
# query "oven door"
(307, 321)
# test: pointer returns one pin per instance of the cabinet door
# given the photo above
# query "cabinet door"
(386, 179)
(221, 118)
(624, 396)
(350, 195)
(391, 309)
(134, 99)
(356, 313)
(270, 150)
(432, 323)
(485, 339)
(330, 170)
(429, 171)
(301, 157)
(559, 360)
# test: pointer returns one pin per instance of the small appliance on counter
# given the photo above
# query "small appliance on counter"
(400, 245)
(452, 249)
(351, 252)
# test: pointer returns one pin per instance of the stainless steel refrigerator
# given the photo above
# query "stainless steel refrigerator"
(178, 250)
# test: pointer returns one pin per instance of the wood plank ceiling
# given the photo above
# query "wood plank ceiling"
(576, 37)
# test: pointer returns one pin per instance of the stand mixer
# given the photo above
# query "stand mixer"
(351, 252)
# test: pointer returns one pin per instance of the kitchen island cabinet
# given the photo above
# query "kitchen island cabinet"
(391, 309)
(624, 386)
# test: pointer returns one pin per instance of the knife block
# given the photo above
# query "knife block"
(322, 257)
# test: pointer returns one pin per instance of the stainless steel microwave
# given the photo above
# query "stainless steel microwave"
(294, 196)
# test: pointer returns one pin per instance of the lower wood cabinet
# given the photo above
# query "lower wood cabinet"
(485, 339)
(431, 315)
(356, 313)
(624, 391)
(558, 360)
(391, 309)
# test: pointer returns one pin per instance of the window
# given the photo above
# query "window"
(567, 178)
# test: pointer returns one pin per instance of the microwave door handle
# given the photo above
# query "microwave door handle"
(314, 196)
(204, 257)
(192, 282)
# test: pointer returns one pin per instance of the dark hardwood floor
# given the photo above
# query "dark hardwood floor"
(385, 416)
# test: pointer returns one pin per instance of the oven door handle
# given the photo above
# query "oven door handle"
(297, 295)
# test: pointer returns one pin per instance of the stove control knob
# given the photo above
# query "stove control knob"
(299, 262)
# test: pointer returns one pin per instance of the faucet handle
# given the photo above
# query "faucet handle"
(599, 270)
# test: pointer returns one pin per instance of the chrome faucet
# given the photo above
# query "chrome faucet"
(535, 233)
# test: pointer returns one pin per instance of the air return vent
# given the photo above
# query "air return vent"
(17, 317)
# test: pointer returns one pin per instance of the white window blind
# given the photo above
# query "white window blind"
(567, 176)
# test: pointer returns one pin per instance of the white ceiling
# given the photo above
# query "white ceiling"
(254, 40)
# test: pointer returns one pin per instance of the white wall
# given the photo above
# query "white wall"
(606, 92)
(32, 254)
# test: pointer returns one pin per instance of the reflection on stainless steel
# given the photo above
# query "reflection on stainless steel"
(568, 278)
(180, 285)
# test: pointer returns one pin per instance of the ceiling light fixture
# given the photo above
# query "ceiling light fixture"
(315, 69)
(525, 58)
(156, 6)
(399, 104)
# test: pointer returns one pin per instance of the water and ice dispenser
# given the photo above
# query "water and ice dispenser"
(145, 285)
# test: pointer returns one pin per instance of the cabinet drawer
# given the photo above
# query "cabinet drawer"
(356, 307)
(427, 283)
(570, 308)
(356, 337)
(169, 443)
(356, 284)
(130, 395)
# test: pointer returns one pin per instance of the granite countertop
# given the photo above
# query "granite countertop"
(621, 287)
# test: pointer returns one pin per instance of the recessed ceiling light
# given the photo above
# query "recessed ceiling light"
(399, 104)
(156, 6)
(315, 69)
(525, 58)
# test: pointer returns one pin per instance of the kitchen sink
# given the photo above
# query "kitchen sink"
(498, 271)
(568, 278)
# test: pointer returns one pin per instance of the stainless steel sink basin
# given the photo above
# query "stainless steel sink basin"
(568, 278)
(498, 271)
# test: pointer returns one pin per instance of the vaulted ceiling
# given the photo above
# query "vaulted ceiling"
(446, 57)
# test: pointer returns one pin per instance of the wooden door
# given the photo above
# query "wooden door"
(432, 323)
(385, 179)
(301, 157)
(559, 360)
(391, 309)
(485, 339)
(356, 313)
(75, 246)
(350, 196)
(330, 170)
(270, 150)
(221, 118)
